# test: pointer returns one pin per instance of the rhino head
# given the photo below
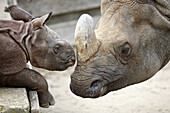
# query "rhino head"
(42, 46)
(46, 49)
(130, 44)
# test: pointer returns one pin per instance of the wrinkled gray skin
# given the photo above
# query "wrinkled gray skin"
(32, 41)
(131, 44)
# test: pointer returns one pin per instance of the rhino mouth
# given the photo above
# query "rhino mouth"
(101, 87)
(96, 88)
(70, 62)
(63, 65)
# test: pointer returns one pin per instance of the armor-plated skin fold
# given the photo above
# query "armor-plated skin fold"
(134, 44)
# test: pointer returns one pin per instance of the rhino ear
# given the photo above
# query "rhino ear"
(18, 13)
(38, 22)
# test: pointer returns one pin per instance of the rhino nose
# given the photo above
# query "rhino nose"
(71, 61)
(87, 86)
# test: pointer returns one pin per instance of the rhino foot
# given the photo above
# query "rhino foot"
(45, 99)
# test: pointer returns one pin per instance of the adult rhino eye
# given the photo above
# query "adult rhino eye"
(144, 1)
(125, 50)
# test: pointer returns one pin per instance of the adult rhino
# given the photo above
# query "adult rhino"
(31, 40)
(130, 44)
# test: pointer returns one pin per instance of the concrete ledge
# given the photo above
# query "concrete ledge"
(34, 103)
(14, 100)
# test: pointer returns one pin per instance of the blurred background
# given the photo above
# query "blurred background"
(152, 96)
(65, 13)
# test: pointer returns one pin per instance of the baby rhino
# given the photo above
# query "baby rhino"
(28, 39)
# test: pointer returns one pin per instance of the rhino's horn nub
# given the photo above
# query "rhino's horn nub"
(85, 38)
(85, 27)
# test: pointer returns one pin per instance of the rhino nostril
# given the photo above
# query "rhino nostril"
(95, 83)
(96, 89)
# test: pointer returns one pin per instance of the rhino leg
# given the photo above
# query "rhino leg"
(32, 80)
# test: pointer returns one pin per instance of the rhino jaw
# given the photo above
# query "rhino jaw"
(85, 38)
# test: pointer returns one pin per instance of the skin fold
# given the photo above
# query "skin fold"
(129, 45)
(29, 39)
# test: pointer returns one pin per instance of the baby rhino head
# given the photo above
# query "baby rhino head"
(46, 49)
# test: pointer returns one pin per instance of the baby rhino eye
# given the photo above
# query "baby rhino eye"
(56, 48)
(144, 1)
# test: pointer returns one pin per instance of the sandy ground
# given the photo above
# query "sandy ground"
(152, 96)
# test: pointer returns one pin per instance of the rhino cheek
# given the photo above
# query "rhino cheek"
(42, 57)
(59, 62)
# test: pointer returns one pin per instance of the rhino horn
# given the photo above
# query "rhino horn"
(104, 5)
(85, 38)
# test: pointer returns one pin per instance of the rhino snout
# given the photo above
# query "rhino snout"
(71, 61)
(88, 87)
(64, 54)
